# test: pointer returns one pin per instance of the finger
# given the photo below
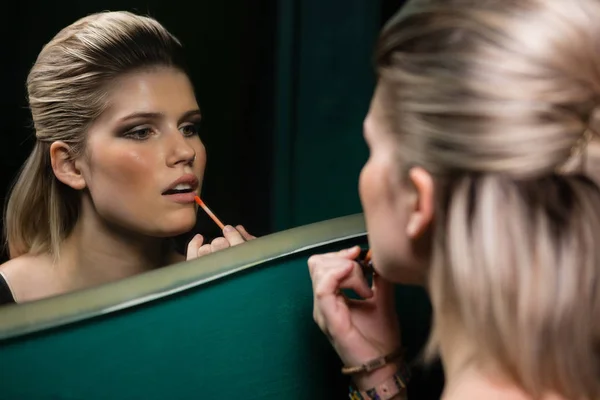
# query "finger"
(193, 245)
(329, 303)
(321, 321)
(232, 235)
(350, 253)
(357, 281)
(330, 274)
(327, 274)
(324, 266)
(219, 243)
(340, 274)
(245, 233)
(204, 250)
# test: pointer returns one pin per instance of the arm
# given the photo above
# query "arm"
(359, 330)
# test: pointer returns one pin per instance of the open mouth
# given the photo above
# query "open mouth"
(181, 188)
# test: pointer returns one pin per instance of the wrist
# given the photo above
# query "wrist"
(367, 380)
(389, 383)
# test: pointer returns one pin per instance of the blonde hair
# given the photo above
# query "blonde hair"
(494, 98)
(67, 90)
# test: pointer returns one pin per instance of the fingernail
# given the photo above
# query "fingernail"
(228, 229)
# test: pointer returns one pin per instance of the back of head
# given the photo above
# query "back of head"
(67, 90)
(499, 100)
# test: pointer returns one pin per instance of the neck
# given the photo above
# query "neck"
(466, 380)
(96, 252)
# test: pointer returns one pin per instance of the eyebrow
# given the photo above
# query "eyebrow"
(158, 115)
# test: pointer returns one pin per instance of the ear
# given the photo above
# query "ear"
(421, 214)
(65, 167)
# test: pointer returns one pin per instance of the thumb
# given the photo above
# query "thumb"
(349, 253)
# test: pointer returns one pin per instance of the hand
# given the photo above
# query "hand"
(359, 330)
(231, 237)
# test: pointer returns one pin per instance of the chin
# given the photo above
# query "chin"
(178, 227)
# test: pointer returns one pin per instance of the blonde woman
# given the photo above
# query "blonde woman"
(480, 186)
(116, 164)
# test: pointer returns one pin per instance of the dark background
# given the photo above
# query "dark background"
(283, 86)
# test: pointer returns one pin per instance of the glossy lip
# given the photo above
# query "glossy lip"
(187, 178)
(182, 198)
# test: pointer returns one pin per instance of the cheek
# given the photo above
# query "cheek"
(371, 186)
(122, 176)
(384, 222)
(364, 183)
(125, 187)
(374, 201)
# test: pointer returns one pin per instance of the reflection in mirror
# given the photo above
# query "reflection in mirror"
(110, 187)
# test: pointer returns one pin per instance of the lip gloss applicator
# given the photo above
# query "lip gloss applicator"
(366, 263)
(209, 212)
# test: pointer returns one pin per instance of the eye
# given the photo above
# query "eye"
(190, 129)
(139, 134)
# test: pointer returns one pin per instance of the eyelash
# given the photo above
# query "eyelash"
(196, 129)
(136, 134)
(144, 133)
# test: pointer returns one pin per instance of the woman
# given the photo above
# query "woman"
(480, 187)
(116, 164)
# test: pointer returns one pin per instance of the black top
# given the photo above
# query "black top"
(6, 296)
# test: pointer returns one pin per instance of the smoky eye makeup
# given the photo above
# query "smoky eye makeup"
(135, 130)
(142, 125)
(191, 128)
(140, 133)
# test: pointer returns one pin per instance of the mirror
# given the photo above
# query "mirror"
(281, 111)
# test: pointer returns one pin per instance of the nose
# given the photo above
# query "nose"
(180, 150)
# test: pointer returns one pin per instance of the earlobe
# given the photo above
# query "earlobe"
(64, 166)
(422, 214)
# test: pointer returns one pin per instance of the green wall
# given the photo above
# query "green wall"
(324, 83)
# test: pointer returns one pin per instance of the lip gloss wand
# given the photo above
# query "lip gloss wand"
(209, 212)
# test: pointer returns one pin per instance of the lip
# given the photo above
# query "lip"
(190, 179)
(181, 198)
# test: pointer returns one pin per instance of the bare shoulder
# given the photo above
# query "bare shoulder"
(24, 273)
(22, 264)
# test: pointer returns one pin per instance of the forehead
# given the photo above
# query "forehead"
(165, 90)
